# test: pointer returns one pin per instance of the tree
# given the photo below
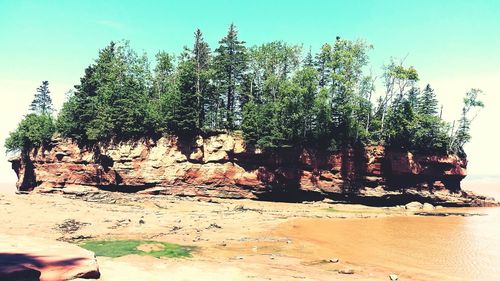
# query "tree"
(201, 55)
(163, 73)
(186, 117)
(348, 101)
(230, 65)
(112, 98)
(470, 109)
(323, 60)
(252, 123)
(397, 81)
(308, 60)
(33, 131)
(323, 123)
(274, 95)
(42, 103)
(428, 103)
(162, 105)
(401, 126)
(306, 80)
(83, 105)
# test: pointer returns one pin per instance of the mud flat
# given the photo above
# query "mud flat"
(255, 240)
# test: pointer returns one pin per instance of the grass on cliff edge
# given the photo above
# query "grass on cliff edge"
(118, 248)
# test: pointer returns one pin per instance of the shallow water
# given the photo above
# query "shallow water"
(425, 248)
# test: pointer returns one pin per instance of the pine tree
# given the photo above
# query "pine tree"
(230, 64)
(428, 103)
(308, 60)
(42, 103)
(201, 55)
(414, 98)
(186, 117)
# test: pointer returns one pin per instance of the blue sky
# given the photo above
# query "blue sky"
(455, 45)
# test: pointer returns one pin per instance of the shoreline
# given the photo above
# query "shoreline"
(245, 236)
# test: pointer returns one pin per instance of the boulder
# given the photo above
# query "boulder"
(32, 257)
(428, 207)
(346, 271)
(393, 277)
(414, 206)
(17, 272)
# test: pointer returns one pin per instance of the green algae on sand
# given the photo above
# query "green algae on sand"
(118, 248)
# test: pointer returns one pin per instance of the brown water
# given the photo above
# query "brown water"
(423, 248)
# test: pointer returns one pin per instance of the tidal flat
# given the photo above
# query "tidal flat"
(257, 240)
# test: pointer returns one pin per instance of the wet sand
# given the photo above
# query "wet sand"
(252, 240)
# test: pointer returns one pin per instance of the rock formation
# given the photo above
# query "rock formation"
(33, 258)
(221, 165)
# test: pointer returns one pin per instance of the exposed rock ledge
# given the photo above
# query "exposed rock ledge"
(221, 166)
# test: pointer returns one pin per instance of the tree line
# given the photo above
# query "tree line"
(272, 93)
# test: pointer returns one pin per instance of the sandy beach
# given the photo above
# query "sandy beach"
(234, 239)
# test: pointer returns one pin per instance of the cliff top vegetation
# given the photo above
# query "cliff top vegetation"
(275, 93)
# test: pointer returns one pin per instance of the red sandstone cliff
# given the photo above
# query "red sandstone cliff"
(221, 166)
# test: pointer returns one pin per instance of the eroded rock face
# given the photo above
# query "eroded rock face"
(221, 166)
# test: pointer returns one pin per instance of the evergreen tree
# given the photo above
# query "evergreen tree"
(309, 60)
(42, 103)
(277, 98)
(230, 65)
(112, 99)
(80, 107)
(186, 117)
(252, 123)
(428, 103)
(414, 98)
(401, 126)
(201, 55)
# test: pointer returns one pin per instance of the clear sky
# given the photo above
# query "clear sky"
(454, 45)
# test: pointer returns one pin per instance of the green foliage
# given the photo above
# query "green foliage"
(230, 64)
(274, 95)
(119, 248)
(33, 131)
(253, 123)
(428, 103)
(185, 118)
(42, 104)
(323, 61)
(165, 94)
(36, 129)
(347, 61)
(112, 99)
(471, 107)
(203, 89)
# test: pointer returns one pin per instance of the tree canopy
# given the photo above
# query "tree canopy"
(276, 94)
